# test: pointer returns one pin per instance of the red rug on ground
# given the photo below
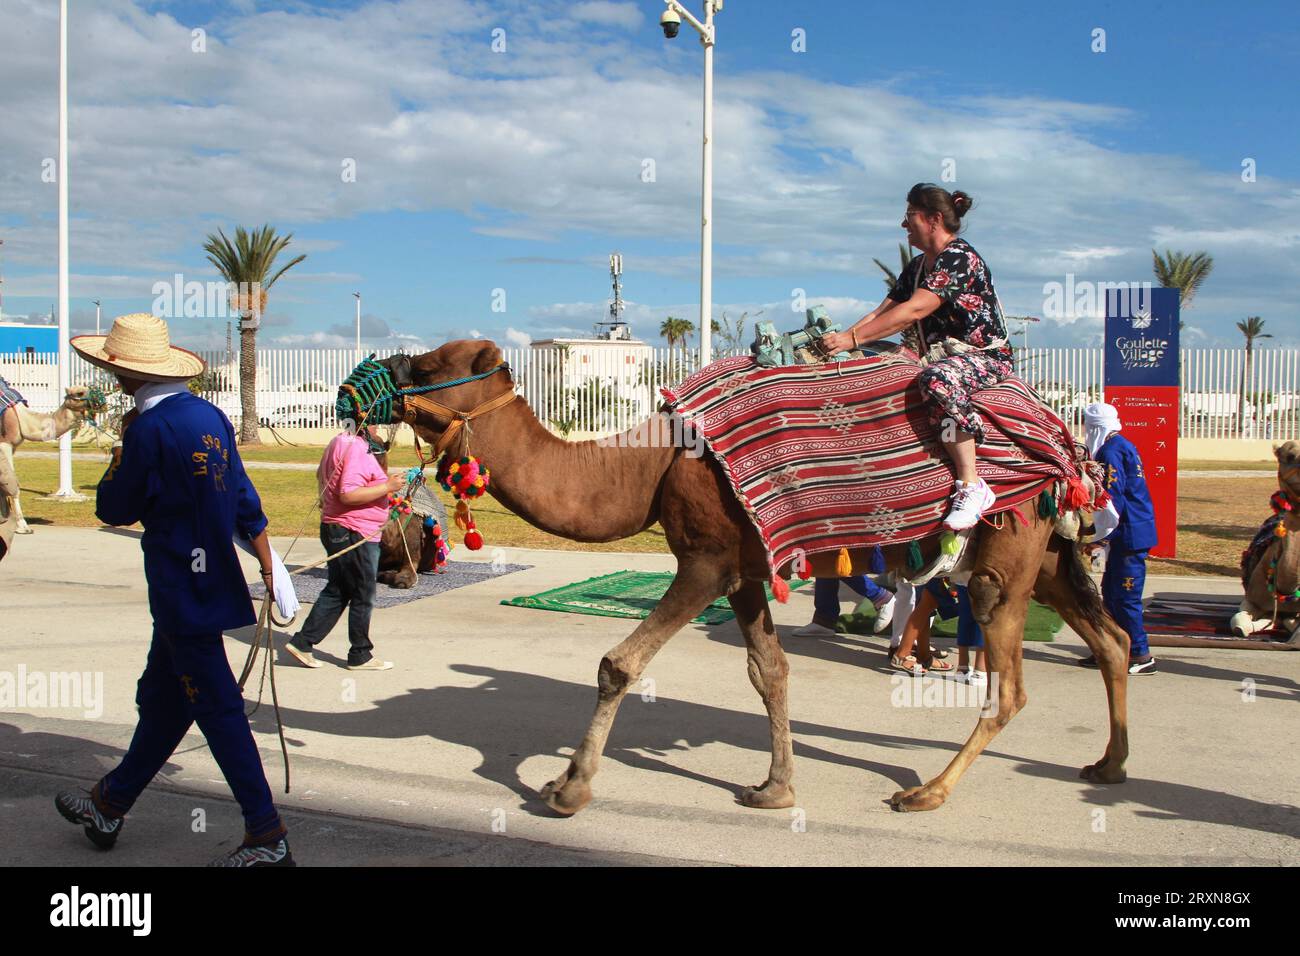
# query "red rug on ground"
(841, 455)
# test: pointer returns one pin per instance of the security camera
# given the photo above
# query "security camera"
(671, 22)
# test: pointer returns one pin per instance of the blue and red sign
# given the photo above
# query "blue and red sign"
(1142, 382)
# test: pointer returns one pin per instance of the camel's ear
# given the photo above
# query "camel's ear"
(488, 358)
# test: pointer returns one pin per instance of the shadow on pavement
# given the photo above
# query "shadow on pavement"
(513, 716)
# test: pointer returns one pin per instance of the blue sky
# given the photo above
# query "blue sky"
(522, 169)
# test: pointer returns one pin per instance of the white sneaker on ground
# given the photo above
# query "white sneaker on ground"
(884, 616)
(969, 502)
(813, 629)
(374, 664)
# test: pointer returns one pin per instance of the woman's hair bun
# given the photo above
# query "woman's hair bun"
(961, 202)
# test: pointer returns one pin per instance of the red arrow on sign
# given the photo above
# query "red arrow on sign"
(1160, 469)
(1161, 421)
(1160, 444)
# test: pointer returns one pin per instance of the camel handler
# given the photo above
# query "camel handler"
(354, 492)
(946, 307)
(1131, 539)
(176, 471)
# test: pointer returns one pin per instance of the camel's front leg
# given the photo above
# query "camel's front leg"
(769, 673)
(686, 597)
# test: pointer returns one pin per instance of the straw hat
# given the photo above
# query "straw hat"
(138, 346)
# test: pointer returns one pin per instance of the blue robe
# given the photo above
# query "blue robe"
(181, 478)
(1127, 484)
(1126, 567)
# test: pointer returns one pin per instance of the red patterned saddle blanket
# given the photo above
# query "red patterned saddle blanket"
(842, 454)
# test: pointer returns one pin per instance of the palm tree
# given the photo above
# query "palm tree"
(891, 278)
(670, 329)
(247, 264)
(676, 330)
(1182, 271)
(1252, 328)
(687, 330)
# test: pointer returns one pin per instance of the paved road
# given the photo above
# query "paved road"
(427, 762)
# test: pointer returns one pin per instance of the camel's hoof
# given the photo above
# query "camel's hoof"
(565, 796)
(768, 796)
(1098, 773)
(915, 799)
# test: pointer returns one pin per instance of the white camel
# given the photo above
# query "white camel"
(45, 426)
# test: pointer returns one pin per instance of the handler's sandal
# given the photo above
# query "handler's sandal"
(969, 502)
(305, 658)
(274, 854)
(374, 664)
(82, 811)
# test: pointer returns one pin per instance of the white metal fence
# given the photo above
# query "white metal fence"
(585, 391)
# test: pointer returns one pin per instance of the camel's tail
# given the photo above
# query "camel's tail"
(1081, 583)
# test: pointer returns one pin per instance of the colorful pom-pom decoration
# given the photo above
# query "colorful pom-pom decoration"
(464, 477)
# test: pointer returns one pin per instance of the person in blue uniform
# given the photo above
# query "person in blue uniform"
(177, 473)
(1132, 538)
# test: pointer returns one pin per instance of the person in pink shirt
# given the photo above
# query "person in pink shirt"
(354, 506)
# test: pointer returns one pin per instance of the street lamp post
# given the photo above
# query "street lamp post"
(96, 316)
(670, 21)
(357, 296)
(66, 492)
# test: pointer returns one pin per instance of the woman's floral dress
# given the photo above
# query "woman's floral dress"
(969, 313)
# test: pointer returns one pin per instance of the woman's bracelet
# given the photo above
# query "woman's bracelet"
(268, 574)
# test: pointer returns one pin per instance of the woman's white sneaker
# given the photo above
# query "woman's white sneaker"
(969, 502)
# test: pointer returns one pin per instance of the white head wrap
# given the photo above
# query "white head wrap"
(1101, 421)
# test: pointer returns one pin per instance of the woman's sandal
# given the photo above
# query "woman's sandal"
(901, 664)
(938, 666)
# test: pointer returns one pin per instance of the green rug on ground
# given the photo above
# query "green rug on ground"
(630, 594)
(1041, 623)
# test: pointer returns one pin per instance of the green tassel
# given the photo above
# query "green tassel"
(915, 560)
(1047, 503)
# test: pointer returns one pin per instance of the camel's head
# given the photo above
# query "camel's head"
(478, 360)
(77, 399)
(1288, 469)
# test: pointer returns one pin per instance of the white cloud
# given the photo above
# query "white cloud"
(809, 179)
(520, 339)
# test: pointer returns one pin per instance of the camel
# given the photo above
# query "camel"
(45, 426)
(1258, 611)
(629, 484)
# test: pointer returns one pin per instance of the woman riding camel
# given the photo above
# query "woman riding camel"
(945, 306)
